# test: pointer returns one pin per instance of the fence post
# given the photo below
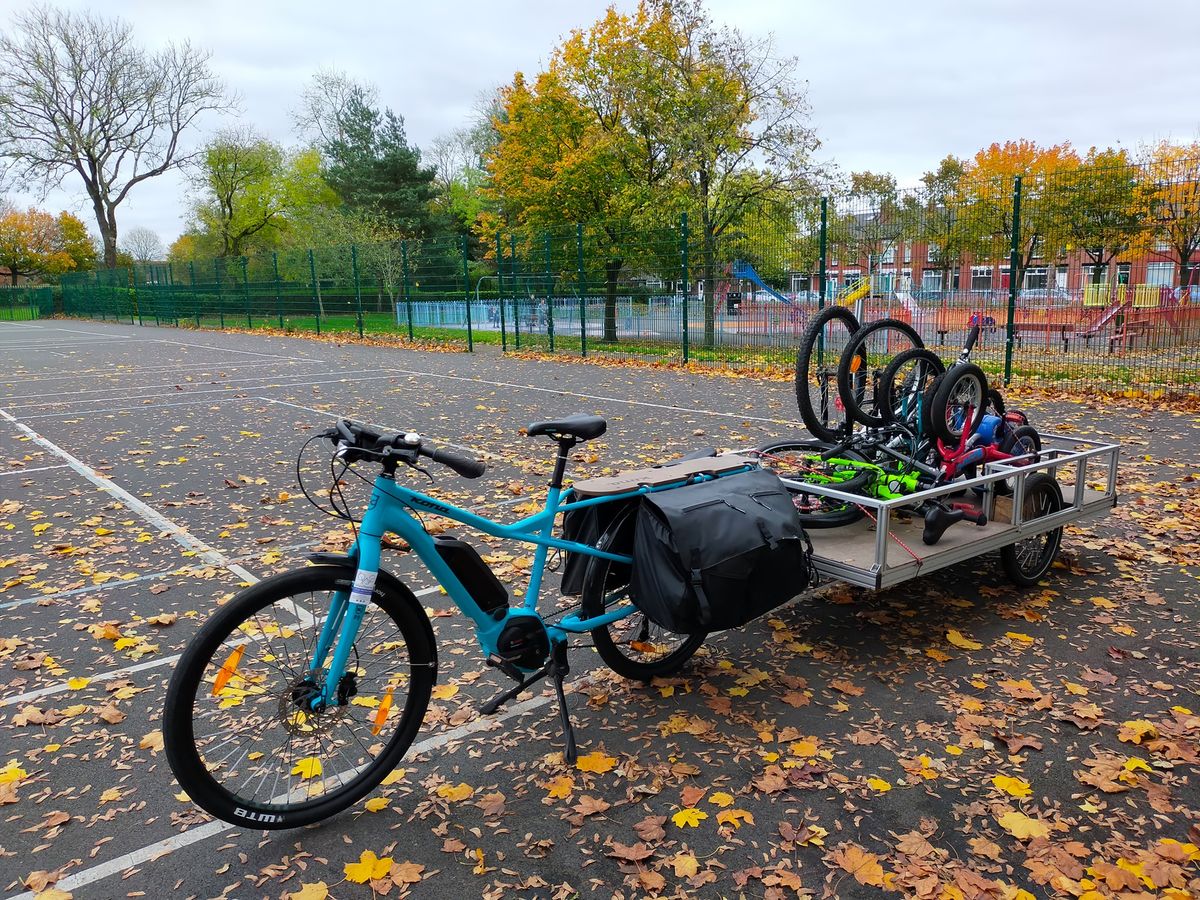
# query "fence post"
(316, 288)
(357, 288)
(549, 293)
(500, 293)
(516, 291)
(195, 297)
(1014, 256)
(822, 258)
(219, 278)
(246, 288)
(278, 295)
(683, 271)
(582, 288)
(404, 281)
(133, 296)
(466, 256)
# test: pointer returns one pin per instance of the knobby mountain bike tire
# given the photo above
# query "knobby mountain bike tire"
(800, 462)
(634, 647)
(241, 685)
(904, 385)
(816, 373)
(961, 386)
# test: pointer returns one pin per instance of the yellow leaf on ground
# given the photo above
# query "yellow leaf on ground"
(722, 799)
(734, 817)
(1014, 787)
(152, 741)
(455, 792)
(561, 787)
(110, 795)
(689, 817)
(53, 893)
(955, 637)
(445, 691)
(939, 655)
(878, 784)
(686, 865)
(595, 762)
(865, 867)
(309, 767)
(368, 867)
(1022, 827)
(394, 776)
(12, 772)
(316, 891)
(78, 684)
(1137, 730)
(375, 804)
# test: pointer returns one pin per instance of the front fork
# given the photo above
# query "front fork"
(345, 615)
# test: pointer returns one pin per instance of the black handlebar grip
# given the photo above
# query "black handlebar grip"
(972, 337)
(465, 466)
(344, 428)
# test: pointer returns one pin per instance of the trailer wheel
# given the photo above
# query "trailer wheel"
(1026, 561)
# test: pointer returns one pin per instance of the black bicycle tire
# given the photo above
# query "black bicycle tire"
(941, 397)
(804, 356)
(178, 734)
(889, 377)
(1004, 486)
(1020, 576)
(835, 518)
(846, 391)
(995, 403)
(595, 579)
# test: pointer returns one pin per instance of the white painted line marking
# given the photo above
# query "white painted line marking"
(175, 842)
(334, 415)
(156, 371)
(141, 406)
(107, 586)
(231, 350)
(27, 471)
(175, 531)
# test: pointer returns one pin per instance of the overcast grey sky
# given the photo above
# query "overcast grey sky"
(894, 86)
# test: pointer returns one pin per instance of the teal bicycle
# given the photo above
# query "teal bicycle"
(304, 691)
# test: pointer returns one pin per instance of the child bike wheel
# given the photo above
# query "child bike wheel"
(800, 462)
(817, 398)
(239, 732)
(859, 372)
(904, 384)
(634, 646)
(961, 387)
(1026, 561)
(1022, 440)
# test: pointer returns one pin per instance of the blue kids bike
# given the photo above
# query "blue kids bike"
(303, 692)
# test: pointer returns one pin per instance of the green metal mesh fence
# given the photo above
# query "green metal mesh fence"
(1088, 277)
(26, 302)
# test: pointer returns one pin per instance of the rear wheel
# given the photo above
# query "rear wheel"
(239, 729)
(634, 646)
(1026, 561)
(863, 362)
(817, 398)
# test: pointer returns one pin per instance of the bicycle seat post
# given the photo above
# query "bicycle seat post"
(565, 443)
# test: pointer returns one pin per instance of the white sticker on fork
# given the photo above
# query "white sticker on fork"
(364, 587)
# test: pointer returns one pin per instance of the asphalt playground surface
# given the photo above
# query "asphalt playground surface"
(847, 745)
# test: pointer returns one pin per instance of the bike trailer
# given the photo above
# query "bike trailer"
(718, 554)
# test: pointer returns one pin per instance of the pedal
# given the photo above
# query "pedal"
(504, 666)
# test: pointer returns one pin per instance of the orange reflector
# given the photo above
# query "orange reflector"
(856, 363)
(381, 713)
(227, 670)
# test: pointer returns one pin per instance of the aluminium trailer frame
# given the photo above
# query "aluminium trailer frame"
(862, 553)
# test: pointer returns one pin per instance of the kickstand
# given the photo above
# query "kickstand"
(559, 669)
(496, 702)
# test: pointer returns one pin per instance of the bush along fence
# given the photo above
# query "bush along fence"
(1088, 277)
(22, 303)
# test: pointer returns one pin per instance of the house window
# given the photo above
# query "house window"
(1095, 274)
(1162, 247)
(799, 283)
(1060, 277)
(931, 253)
(1122, 273)
(908, 253)
(1035, 278)
(981, 278)
(888, 255)
(931, 280)
(1160, 273)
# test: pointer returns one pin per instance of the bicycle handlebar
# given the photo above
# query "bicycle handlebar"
(972, 337)
(358, 441)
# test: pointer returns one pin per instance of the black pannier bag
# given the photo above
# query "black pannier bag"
(585, 526)
(715, 555)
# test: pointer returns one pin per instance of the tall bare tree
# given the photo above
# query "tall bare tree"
(324, 105)
(144, 245)
(77, 94)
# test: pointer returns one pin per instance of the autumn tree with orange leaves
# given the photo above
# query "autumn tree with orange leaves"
(1174, 173)
(36, 244)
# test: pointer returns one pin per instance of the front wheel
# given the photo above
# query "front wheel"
(1026, 561)
(239, 728)
(634, 646)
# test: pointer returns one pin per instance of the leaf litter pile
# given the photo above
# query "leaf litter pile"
(950, 738)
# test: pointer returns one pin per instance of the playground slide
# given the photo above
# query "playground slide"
(851, 293)
(907, 301)
(1107, 316)
(743, 269)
